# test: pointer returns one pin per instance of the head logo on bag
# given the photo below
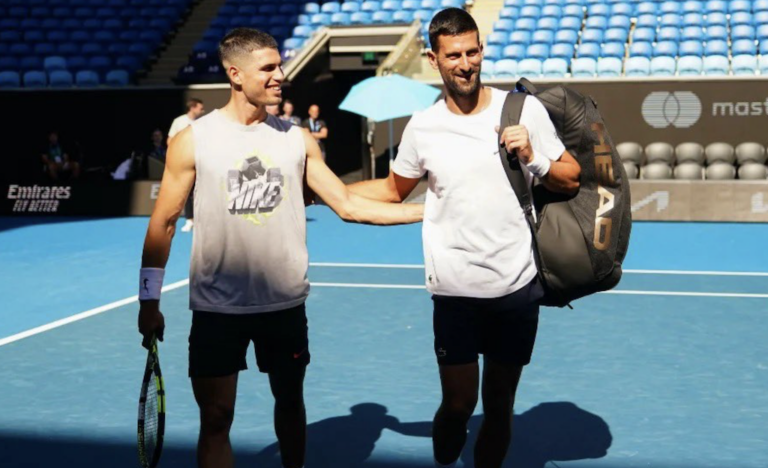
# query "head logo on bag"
(580, 241)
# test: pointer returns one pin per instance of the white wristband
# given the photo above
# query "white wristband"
(150, 283)
(539, 165)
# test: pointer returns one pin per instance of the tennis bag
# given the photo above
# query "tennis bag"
(579, 241)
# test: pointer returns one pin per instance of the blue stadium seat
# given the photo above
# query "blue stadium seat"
(719, 47)
(505, 68)
(692, 33)
(329, 7)
(670, 7)
(693, 6)
(361, 17)
(409, 5)
(623, 22)
(321, 19)
(609, 67)
(716, 19)
(646, 8)
(690, 66)
(493, 52)
(647, 21)
(509, 13)
(537, 51)
(525, 24)
(716, 65)
(430, 4)
(740, 5)
(529, 67)
(371, 6)
(762, 32)
(693, 19)
(520, 37)
(9, 79)
(716, 33)
(763, 64)
(424, 15)
(583, 67)
(543, 37)
(452, 3)
(383, 17)
(10, 36)
(311, 8)
(44, 49)
(563, 51)
(35, 79)
(691, 48)
(402, 16)
(622, 9)
(87, 79)
(743, 47)
(504, 25)
(592, 35)
(663, 66)
(19, 49)
(498, 38)
(665, 49)
(588, 50)
(54, 63)
(100, 64)
(127, 62)
(743, 65)
(76, 63)
(302, 31)
(637, 67)
(554, 68)
(668, 34)
(60, 79)
(598, 9)
(304, 19)
(670, 19)
(30, 63)
(644, 35)
(759, 5)
(288, 9)
(596, 22)
(641, 49)
(576, 11)
(514, 51)
(743, 32)
(391, 5)
(613, 49)
(104, 36)
(566, 36)
(552, 11)
(34, 35)
(530, 11)
(742, 18)
(616, 35)
(716, 6)
(350, 7)
(8, 63)
(293, 43)
(570, 23)
(549, 24)
(487, 69)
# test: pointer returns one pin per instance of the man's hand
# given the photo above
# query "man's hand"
(515, 139)
(151, 322)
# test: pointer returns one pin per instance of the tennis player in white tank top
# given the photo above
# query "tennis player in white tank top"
(248, 279)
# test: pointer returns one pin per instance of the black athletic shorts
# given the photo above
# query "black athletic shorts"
(502, 329)
(218, 342)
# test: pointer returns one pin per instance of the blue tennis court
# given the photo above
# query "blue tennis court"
(670, 370)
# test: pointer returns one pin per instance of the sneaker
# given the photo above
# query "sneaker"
(188, 226)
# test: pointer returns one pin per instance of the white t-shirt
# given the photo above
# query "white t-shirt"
(179, 123)
(476, 240)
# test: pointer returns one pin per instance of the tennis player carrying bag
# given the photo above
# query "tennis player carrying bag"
(579, 241)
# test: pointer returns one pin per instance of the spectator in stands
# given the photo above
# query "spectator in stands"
(157, 149)
(288, 113)
(57, 163)
(195, 109)
(316, 127)
(274, 110)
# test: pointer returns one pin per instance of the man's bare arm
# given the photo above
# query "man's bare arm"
(322, 134)
(563, 175)
(393, 189)
(347, 205)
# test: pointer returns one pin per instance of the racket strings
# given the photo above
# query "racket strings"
(151, 418)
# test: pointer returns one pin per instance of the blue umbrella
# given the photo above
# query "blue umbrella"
(388, 97)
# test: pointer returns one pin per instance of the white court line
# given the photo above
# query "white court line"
(83, 315)
(178, 284)
(636, 272)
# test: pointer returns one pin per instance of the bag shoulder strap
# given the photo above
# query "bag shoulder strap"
(510, 115)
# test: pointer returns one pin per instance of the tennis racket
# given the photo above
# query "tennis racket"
(151, 411)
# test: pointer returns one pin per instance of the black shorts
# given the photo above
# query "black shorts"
(502, 329)
(218, 342)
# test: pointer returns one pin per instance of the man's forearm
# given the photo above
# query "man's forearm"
(157, 244)
(363, 210)
(562, 178)
(375, 189)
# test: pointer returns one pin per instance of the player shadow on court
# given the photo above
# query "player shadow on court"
(559, 431)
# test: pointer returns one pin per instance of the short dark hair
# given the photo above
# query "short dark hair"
(451, 22)
(240, 41)
(192, 103)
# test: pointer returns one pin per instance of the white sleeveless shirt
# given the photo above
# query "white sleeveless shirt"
(249, 250)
